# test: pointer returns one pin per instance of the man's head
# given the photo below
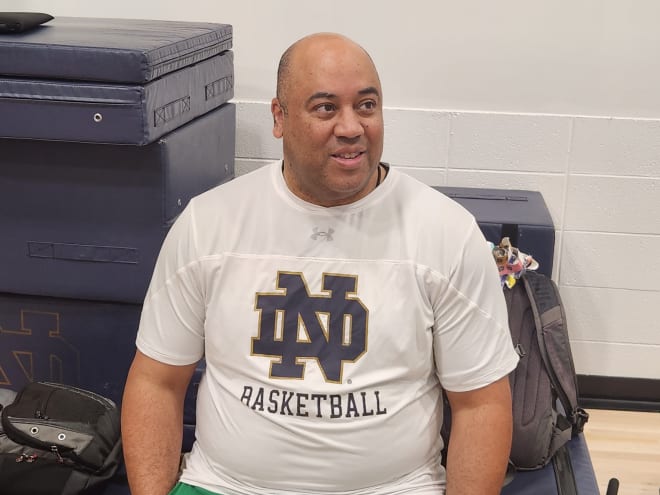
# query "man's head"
(329, 113)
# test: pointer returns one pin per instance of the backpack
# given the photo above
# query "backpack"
(544, 384)
(58, 439)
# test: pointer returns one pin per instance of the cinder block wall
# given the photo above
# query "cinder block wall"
(600, 178)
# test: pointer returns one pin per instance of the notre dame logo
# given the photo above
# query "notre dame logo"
(35, 350)
(295, 325)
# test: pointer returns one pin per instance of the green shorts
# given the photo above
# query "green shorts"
(185, 489)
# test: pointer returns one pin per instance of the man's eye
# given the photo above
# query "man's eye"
(324, 108)
(368, 106)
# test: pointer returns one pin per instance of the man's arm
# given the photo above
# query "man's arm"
(152, 424)
(480, 439)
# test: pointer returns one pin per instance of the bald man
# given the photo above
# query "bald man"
(333, 298)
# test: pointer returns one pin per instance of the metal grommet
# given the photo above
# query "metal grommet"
(61, 437)
(98, 117)
(34, 430)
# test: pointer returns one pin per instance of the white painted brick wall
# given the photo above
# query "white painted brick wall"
(613, 204)
(615, 261)
(600, 178)
(611, 315)
(620, 147)
(616, 359)
(254, 132)
(507, 142)
(416, 139)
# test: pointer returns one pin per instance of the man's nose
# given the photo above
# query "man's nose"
(349, 124)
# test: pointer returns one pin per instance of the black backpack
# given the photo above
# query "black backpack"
(544, 385)
(58, 439)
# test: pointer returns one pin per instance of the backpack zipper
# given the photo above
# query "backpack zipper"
(41, 412)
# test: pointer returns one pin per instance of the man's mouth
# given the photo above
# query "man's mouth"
(348, 156)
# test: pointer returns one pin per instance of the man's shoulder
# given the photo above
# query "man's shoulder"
(428, 201)
(244, 188)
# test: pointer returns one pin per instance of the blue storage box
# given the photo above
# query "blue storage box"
(121, 81)
(520, 215)
(96, 112)
(86, 221)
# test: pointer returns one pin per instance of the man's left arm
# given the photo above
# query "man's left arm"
(480, 439)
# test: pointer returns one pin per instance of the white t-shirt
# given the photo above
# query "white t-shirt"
(327, 333)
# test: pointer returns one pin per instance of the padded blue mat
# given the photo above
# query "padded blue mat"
(116, 81)
(110, 50)
(87, 220)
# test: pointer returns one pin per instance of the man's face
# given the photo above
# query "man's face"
(331, 122)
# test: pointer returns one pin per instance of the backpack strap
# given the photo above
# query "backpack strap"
(579, 419)
(564, 474)
(554, 345)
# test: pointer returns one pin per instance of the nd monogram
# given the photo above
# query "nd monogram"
(36, 350)
(295, 325)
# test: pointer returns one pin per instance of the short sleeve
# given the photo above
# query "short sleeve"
(471, 338)
(172, 321)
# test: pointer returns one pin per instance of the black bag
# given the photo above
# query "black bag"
(58, 440)
(544, 384)
(19, 22)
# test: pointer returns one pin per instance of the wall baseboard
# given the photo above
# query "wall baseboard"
(613, 392)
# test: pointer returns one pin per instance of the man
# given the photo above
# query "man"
(332, 298)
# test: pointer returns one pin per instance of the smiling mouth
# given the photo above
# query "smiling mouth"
(348, 156)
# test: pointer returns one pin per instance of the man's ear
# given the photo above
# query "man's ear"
(278, 116)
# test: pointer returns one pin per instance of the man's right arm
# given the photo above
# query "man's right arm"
(152, 424)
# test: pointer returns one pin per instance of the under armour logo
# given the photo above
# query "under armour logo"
(323, 235)
(297, 326)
